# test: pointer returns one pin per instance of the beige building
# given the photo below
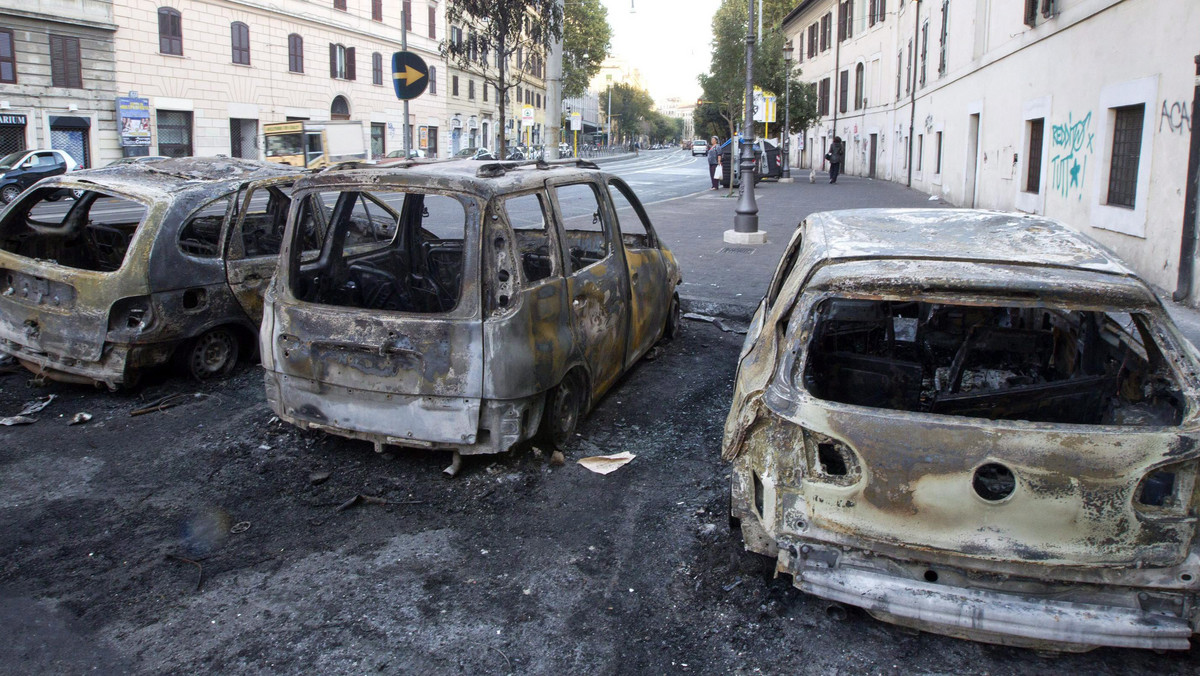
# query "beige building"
(214, 71)
(1079, 110)
(57, 79)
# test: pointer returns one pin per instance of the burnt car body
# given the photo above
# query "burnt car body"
(152, 262)
(461, 306)
(972, 423)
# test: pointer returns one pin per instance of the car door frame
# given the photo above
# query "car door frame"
(648, 271)
(249, 277)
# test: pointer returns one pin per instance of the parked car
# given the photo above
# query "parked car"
(22, 169)
(412, 152)
(460, 306)
(699, 147)
(154, 262)
(765, 166)
(474, 154)
(972, 423)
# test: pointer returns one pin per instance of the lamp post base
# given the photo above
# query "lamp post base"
(756, 237)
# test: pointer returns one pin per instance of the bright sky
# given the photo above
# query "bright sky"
(668, 40)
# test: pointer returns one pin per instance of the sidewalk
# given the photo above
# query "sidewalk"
(728, 281)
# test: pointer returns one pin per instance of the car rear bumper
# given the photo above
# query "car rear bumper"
(115, 366)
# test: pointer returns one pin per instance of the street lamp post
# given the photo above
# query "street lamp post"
(787, 112)
(745, 223)
(610, 110)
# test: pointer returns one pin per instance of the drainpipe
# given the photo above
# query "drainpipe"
(912, 104)
(1187, 247)
(837, 78)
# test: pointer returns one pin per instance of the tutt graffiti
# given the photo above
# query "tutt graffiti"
(1070, 143)
(1176, 116)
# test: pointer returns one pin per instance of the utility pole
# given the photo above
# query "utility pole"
(609, 117)
(745, 223)
(404, 47)
(1191, 208)
(787, 113)
(912, 73)
(554, 93)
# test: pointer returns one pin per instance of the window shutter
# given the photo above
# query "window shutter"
(333, 60)
(72, 63)
(433, 22)
(350, 63)
(1031, 8)
(57, 57)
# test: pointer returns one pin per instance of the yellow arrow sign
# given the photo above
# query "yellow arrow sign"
(410, 75)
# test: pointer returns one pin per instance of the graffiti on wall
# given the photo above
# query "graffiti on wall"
(1070, 145)
(1176, 116)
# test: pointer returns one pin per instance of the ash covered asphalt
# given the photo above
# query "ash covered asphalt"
(118, 555)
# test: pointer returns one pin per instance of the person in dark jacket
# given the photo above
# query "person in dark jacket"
(714, 157)
(836, 155)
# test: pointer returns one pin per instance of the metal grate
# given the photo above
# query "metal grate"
(243, 138)
(1126, 151)
(736, 250)
(12, 139)
(72, 141)
(175, 133)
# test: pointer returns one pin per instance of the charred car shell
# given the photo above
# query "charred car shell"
(975, 424)
(461, 306)
(151, 262)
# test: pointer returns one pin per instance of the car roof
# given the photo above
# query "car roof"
(487, 178)
(178, 174)
(959, 235)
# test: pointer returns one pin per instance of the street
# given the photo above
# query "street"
(212, 538)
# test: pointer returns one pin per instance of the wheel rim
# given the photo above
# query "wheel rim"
(566, 412)
(212, 354)
(9, 193)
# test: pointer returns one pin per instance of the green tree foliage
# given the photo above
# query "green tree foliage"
(501, 39)
(586, 41)
(630, 108)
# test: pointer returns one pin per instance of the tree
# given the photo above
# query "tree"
(630, 107)
(723, 86)
(586, 41)
(502, 42)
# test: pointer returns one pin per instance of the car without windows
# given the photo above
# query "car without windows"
(154, 261)
(461, 306)
(975, 424)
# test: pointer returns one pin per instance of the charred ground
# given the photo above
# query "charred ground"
(513, 567)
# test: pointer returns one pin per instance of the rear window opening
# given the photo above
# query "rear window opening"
(91, 232)
(999, 363)
(392, 251)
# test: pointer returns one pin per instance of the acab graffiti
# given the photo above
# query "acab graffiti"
(1070, 145)
(1176, 117)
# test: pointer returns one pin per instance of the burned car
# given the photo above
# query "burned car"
(461, 306)
(153, 262)
(976, 424)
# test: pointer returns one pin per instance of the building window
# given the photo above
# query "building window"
(378, 147)
(908, 69)
(295, 53)
(845, 20)
(899, 70)
(937, 164)
(341, 62)
(471, 89)
(239, 35)
(826, 29)
(243, 135)
(823, 97)
(170, 31)
(945, 34)
(339, 4)
(456, 37)
(537, 100)
(814, 32)
(860, 72)
(377, 68)
(377, 10)
(800, 47)
(8, 57)
(339, 109)
(1126, 153)
(408, 15)
(65, 69)
(432, 22)
(484, 87)
(877, 12)
(843, 90)
(175, 133)
(920, 150)
(1033, 177)
(924, 49)
(433, 80)
(454, 85)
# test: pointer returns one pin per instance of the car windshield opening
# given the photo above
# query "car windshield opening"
(996, 362)
(379, 250)
(92, 232)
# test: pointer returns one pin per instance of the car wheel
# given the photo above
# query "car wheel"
(212, 354)
(674, 321)
(77, 193)
(9, 193)
(564, 408)
(53, 197)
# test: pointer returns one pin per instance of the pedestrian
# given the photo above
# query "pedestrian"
(836, 155)
(714, 160)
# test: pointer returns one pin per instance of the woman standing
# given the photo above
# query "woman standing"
(714, 157)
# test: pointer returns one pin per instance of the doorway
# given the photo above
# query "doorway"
(871, 162)
(972, 165)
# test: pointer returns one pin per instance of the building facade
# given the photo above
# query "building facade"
(57, 78)
(1079, 110)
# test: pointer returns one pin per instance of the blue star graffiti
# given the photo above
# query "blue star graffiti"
(1070, 144)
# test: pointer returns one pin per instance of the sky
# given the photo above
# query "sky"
(668, 40)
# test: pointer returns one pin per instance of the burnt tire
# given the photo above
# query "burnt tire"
(674, 322)
(212, 354)
(9, 193)
(563, 410)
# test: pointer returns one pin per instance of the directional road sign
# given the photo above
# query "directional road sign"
(409, 74)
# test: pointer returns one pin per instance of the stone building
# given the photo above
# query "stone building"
(57, 77)
(1079, 110)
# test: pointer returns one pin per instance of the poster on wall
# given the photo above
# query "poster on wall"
(423, 135)
(133, 120)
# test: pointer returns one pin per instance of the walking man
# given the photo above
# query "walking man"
(836, 155)
(714, 158)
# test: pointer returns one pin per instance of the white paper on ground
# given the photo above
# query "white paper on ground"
(604, 464)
